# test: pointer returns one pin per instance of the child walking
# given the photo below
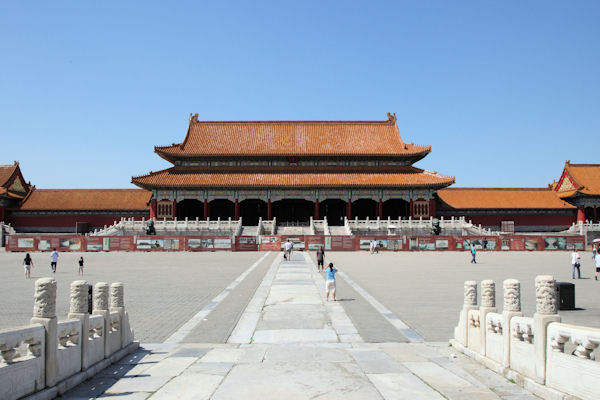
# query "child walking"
(27, 264)
(330, 282)
(80, 272)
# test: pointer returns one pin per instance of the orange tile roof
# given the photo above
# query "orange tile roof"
(6, 171)
(502, 198)
(587, 176)
(87, 199)
(292, 178)
(293, 138)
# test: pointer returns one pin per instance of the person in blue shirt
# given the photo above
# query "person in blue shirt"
(330, 282)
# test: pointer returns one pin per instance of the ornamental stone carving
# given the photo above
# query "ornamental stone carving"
(470, 293)
(44, 298)
(545, 294)
(512, 295)
(101, 296)
(116, 295)
(488, 293)
(79, 297)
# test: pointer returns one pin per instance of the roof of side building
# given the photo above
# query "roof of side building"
(86, 199)
(579, 179)
(502, 198)
(6, 171)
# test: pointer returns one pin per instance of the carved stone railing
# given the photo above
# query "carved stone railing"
(522, 351)
(22, 362)
(576, 370)
(50, 356)
(494, 336)
(551, 359)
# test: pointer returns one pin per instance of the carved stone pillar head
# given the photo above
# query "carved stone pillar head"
(546, 294)
(488, 293)
(101, 296)
(44, 298)
(116, 295)
(470, 293)
(512, 295)
(79, 297)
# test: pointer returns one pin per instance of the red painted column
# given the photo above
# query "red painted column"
(380, 209)
(349, 209)
(595, 214)
(205, 209)
(152, 209)
(2, 215)
(316, 208)
(174, 215)
(410, 210)
(237, 210)
(581, 214)
(432, 210)
(269, 214)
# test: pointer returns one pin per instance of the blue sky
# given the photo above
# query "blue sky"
(504, 91)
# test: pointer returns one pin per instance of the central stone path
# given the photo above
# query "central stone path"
(290, 343)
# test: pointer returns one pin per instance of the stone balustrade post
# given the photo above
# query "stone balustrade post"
(488, 305)
(117, 304)
(546, 299)
(44, 312)
(78, 309)
(469, 303)
(101, 308)
(512, 308)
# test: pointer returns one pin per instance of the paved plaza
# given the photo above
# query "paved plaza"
(251, 325)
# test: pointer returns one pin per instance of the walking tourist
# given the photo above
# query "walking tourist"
(594, 251)
(473, 254)
(288, 249)
(575, 263)
(320, 259)
(53, 260)
(330, 282)
(80, 272)
(597, 265)
(27, 264)
(372, 246)
(485, 243)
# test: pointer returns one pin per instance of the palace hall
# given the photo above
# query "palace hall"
(292, 170)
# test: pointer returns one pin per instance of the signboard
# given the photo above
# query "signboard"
(270, 243)
(246, 243)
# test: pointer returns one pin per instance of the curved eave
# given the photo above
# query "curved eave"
(172, 157)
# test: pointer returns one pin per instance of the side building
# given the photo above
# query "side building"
(528, 209)
(292, 170)
(62, 210)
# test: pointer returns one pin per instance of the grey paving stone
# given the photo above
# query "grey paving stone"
(212, 368)
(295, 336)
(403, 386)
(138, 384)
(436, 376)
(306, 354)
(376, 362)
(190, 352)
(91, 388)
(189, 386)
(290, 381)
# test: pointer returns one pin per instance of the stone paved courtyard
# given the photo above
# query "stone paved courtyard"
(423, 289)
(250, 325)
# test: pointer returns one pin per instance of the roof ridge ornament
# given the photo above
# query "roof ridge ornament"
(193, 117)
(391, 117)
